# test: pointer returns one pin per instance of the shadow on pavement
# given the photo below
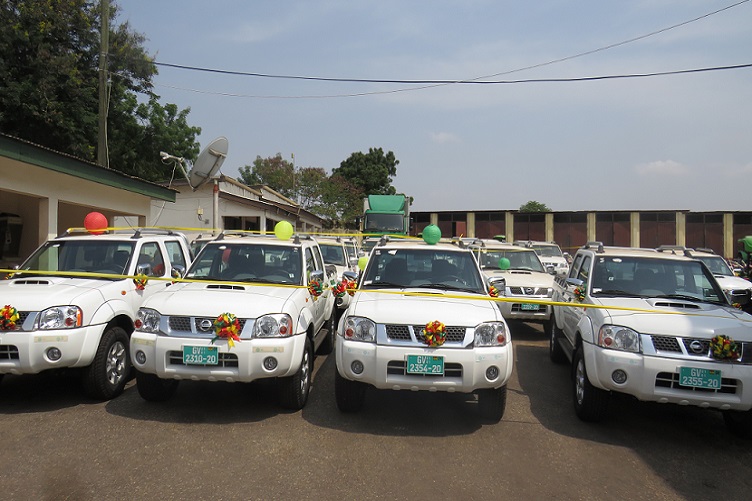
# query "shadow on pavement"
(688, 447)
(45, 392)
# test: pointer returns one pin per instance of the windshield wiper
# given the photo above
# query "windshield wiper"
(384, 282)
(446, 287)
(687, 297)
(615, 293)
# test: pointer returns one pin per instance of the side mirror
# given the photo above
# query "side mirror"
(350, 275)
(739, 296)
(143, 269)
(317, 275)
(178, 271)
(574, 281)
(500, 283)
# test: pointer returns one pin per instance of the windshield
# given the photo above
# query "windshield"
(442, 269)
(92, 256)
(333, 254)
(548, 250)
(518, 260)
(252, 262)
(646, 277)
(717, 265)
(386, 223)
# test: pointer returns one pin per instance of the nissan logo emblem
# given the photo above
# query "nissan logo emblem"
(205, 325)
(696, 346)
(529, 290)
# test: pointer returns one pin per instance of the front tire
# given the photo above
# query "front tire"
(739, 423)
(105, 378)
(349, 394)
(154, 389)
(294, 390)
(555, 351)
(590, 403)
(492, 403)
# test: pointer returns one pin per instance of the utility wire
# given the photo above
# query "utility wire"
(472, 80)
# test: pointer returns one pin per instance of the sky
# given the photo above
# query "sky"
(668, 142)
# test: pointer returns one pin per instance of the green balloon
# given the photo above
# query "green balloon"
(504, 264)
(283, 230)
(431, 234)
(362, 261)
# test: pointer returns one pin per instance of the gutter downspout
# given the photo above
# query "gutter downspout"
(215, 205)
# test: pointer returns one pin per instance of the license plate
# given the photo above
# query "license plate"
(200, 355)
(529, 307)
(700, 378)
(425, 364)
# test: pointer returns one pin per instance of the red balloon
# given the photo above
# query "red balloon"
(95, 221)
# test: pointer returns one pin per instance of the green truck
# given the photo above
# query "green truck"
(385, 215)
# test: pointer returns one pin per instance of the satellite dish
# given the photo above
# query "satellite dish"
(208, 163)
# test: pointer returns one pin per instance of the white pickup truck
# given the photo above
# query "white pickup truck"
(75, 309)
(249, 309)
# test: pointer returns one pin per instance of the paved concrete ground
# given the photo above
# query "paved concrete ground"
(222, 441)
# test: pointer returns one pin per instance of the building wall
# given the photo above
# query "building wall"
(715, 230)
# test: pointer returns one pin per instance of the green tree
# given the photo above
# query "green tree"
(49, 86)
(371, 173)
(275, 172)
(533, 206)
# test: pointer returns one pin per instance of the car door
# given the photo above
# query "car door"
(572, 313)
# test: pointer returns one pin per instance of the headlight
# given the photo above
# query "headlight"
(59, 317)
(617, 337)
(550, 292)
(274, 325)
(360, 329)
(491, 334)
(147, 320)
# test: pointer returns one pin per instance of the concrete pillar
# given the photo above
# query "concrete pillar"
(47, 219)
(434, 219)
(471, 224)
(681, 229)
(729, 245)
(549, 226)
(634, 229)
(262, 224)
(590, 221)
(509, 225)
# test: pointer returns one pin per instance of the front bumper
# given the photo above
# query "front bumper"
(384, 366)
(241, 363)
(517, 311)
(25, 352)
(656, 379)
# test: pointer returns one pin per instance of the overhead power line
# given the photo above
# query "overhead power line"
(483, 80)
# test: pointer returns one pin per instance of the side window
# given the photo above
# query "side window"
(151, 255)
(575, 266)
(584, 272)
(176, 253)
(310, 264)
(317, 257)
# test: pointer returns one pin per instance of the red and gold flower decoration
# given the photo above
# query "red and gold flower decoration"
(315, 288)
(227, 326)
(344, 287)
(434, 333)
(8, 318)
(140, 281)
(579, 292)
(493, 291)
(724, 348)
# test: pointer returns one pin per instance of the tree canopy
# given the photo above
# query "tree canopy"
(338, 198)
(533, 206)
(49, 87)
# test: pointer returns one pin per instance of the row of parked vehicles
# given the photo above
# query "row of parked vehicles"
(419, 315)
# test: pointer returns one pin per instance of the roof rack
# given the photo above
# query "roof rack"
(705, 249)
(676, 248)
(598, 245)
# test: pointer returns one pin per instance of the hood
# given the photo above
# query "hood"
(38, 293)
(732, 283)
(683, 318)
(210, 300)
(522, 278)
(403, 309)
